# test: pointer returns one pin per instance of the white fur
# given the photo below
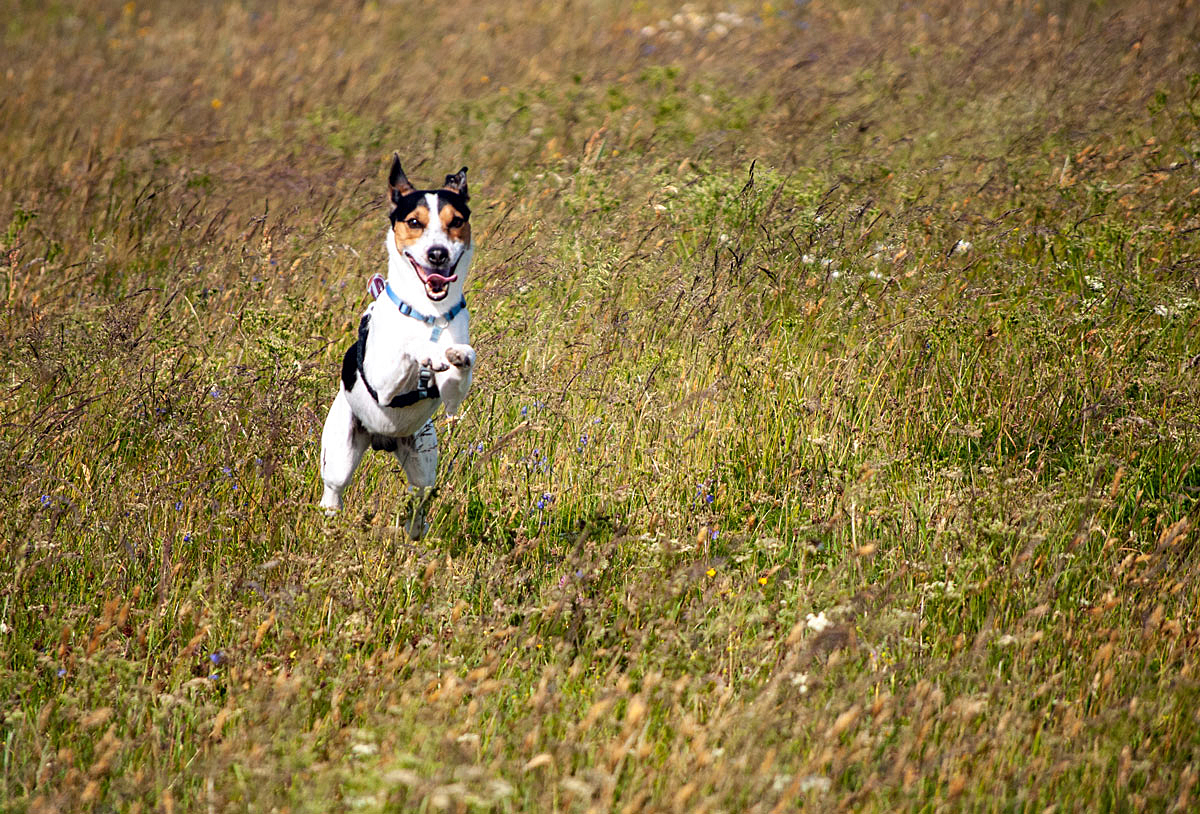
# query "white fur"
(397, 345)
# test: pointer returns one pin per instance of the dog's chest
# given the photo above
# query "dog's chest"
(394, 344)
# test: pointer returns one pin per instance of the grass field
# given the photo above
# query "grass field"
(834, 442)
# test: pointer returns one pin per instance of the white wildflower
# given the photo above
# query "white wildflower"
(1094, 283)
(815, 783)
(817, 622)
(800, 681)
(962, 247)
(1172, 310)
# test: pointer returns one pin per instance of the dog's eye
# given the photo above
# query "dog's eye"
(413, 223)
(456, 222)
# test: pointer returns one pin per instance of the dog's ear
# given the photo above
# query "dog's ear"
(458, 183)
(398, 185)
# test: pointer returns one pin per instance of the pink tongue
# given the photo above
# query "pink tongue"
(438, 281)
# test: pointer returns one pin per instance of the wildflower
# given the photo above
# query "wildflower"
(814, 783)
(62, 671)
(1172, 310)
(710, 573)
(45, 500)
(187, 537)
(800, 680)
(217, 658)
(216, 104)
(818, 622)
(1094, 283)
(227, 471)
(179, 505)
(962, 247)
(213, 676)
(524, 412)
(762, 580)
(215, 393)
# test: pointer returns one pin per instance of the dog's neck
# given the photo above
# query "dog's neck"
(403, 280)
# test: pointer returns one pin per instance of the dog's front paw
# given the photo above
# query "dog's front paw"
(461, 356)
(436, 367)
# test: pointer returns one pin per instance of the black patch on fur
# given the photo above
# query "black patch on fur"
(459, 202)
(383, 443)
(405, 204)
(350, 367)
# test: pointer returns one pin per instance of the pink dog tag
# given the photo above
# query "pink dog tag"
(376, 285)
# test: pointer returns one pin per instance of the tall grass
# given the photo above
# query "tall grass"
(833, 445)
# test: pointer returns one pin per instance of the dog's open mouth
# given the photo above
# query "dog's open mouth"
(437, 286)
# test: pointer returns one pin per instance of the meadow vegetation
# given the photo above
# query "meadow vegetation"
(834, 442)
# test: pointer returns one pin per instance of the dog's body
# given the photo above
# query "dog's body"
(413, 352)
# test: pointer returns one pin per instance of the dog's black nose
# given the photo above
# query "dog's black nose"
(438, 255)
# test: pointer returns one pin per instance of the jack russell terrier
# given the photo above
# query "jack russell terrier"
(413, 351)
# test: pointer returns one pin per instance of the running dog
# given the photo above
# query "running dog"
(413, 351)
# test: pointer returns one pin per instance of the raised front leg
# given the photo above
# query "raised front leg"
(342, 444)
(418, 455)
(455, 381)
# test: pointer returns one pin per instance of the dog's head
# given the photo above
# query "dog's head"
(431, 228)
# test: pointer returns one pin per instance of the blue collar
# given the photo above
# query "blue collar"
(432, 321)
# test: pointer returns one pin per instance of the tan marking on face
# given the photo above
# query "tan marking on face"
(457, 227)
(407, 234)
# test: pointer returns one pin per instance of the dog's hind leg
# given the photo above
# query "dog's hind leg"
(343, 442)
(418, 455)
